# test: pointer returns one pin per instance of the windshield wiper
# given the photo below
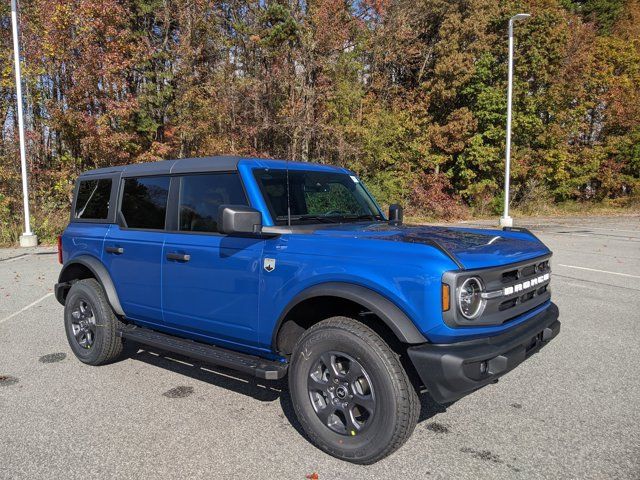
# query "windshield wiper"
(317, 218)
(368, 216)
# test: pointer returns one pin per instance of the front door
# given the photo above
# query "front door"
(133, 249)
(210, 281)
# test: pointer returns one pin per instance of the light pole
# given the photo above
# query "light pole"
(27, 239)
(506, 220)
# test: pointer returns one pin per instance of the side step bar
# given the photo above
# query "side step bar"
(257, 366)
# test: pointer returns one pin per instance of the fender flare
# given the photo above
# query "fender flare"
(100, 273)
(401, 325)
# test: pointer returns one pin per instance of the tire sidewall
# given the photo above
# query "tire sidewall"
(84, 291)
(379, 433)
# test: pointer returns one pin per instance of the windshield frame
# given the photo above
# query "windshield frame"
(315, 218)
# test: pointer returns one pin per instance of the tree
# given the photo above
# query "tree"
(411, 95)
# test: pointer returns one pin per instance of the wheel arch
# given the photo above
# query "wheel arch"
(86, 266)
(359, 300)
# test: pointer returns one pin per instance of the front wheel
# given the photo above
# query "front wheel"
(350, 391)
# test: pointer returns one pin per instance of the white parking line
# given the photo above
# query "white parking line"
(599, 271)
(26, 308)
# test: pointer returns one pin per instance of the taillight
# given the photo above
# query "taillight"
(60, 261)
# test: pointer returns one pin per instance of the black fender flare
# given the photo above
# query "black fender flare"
(100, 273)
(401, 325)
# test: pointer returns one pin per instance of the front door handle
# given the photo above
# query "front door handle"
(116, 250)
(180, 257)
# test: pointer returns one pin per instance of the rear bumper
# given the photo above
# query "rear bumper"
(451, 371)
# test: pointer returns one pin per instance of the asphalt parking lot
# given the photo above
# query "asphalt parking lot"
(572, 411)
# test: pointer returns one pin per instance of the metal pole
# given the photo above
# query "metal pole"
(27, 239)
(506, 220)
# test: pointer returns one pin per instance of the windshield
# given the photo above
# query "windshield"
(316, 197)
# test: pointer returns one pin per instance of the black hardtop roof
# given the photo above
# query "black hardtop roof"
(222, 163)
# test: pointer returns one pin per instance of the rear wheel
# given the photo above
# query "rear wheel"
(91, 325)
(350, 391)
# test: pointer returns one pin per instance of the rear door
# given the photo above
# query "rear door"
(210, 280)
(133, 247)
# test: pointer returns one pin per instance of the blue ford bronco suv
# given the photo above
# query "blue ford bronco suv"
(277, 268)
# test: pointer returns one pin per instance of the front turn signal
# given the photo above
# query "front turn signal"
(446, 298)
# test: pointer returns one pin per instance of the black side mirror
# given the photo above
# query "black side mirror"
(396, 214)
(239, 220)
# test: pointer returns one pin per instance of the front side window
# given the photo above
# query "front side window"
(92, 202)
(200, 197)
(144, 202)
(315, 197)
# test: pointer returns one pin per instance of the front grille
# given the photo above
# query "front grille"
(512, 290)
(515, 274)
(508, 304)
(510, 276)
(529, 270)
(520, 275)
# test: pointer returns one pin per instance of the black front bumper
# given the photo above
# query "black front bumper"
(451, 371)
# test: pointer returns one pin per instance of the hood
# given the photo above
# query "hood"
(470, 247)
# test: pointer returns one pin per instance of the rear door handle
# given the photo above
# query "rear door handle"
(180, 257)
(116, 250)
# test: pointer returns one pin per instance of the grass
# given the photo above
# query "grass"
(47, 228)
(607, 207)
(618, 206)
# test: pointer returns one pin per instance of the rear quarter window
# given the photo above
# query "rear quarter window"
(92, 202)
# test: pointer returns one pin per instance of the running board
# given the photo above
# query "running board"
(256, 366)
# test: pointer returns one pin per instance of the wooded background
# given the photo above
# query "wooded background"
(411, 94)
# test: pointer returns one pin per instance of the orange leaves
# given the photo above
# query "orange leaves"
(452, 137)
(396, 90)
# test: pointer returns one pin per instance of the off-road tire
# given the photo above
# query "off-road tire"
(397, 405)
(107, 346)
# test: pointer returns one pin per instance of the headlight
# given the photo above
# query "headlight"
(470, 300)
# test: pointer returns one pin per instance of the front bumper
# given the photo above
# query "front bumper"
(451, 371)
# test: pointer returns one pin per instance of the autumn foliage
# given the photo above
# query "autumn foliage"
(410, 94)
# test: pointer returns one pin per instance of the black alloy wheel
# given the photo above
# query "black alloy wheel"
(341, 393)
(350, 391)
(83, 323)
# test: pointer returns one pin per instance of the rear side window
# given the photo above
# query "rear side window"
(200, 197)
(92, 202)
(144, 202)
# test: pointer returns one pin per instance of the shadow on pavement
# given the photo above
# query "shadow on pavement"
(262, 390)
